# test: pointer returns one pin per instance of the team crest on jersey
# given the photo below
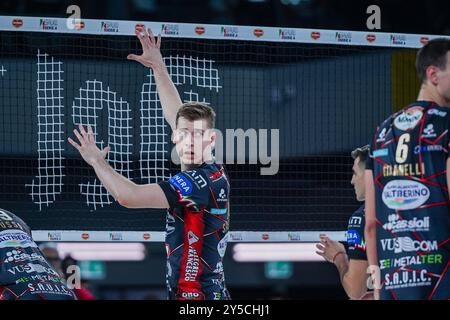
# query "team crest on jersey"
(409, 119)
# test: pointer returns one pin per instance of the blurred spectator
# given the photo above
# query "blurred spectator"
(50, 252)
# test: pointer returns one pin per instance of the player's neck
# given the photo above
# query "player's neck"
(190, 166)
(430, 94)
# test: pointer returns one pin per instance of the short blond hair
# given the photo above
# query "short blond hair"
(197, 111)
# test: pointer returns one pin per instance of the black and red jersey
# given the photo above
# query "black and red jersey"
(355, 235)
(197, 232)
(408, 158)
(24, 272)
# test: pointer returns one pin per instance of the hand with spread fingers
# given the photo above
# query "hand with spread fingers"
(87, 147)
(328, 248)
(151, 55)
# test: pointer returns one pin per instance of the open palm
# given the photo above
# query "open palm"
(87, 147)
(151, 55)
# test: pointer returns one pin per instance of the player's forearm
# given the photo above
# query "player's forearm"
(370, 231)
(353, 290)
(341, 263)
(117, 185)
(371, 247)
(372, 256)
(168, 94)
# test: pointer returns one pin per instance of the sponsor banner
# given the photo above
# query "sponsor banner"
(17, 23)
(169, 29)
(200, 30)
(281, 236)
(54, 236)
(99, 236)
(47, 24)
(159, 236)
(207, 31)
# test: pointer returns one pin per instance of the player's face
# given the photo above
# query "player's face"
(358, 180)
(194, 141)
(443, 85)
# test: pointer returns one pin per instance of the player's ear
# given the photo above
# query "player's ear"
(432, 75)
(212, 136)
(175, 136)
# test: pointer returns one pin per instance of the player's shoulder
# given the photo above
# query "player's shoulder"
(408, 117)
(213, 172)
(357, 219)
(13, 221)
(419, 109)
(438, 113)
(188, 181)
(387, 123)
(207, 174)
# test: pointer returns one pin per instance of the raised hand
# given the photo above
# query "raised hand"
(329, 248)
(151, 55)
(87, 147)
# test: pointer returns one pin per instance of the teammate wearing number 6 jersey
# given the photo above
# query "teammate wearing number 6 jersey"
(407, 196)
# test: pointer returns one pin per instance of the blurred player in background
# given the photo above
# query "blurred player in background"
(352, 266)
(62, 266)
(197, 198)
(25, 274)
(407, 195)
(83, 292)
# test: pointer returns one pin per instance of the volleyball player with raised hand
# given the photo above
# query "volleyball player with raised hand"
(197, 197)
(407, 189)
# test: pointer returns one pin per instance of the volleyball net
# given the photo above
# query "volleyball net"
(300, 100)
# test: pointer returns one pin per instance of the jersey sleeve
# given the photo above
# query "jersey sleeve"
(356, 242)
(188, 189)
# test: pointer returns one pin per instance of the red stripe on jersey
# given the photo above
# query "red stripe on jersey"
(214, 198)
(432, 205)
(443, 242)
(191, 265)
(422, 125)
(216, 175)
(436, 175)
(437, 139)
(393, 294)
(439, 281)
